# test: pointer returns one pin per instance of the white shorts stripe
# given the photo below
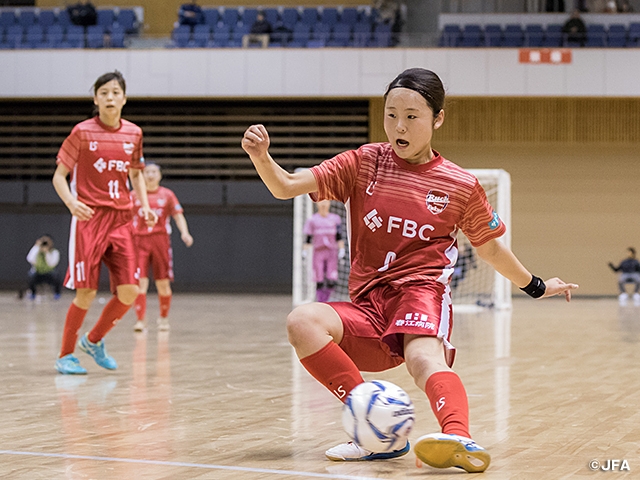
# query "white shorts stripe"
(72, 254)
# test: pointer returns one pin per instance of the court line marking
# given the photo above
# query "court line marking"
(187, 465)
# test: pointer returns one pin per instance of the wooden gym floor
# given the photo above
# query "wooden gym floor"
(552, 386)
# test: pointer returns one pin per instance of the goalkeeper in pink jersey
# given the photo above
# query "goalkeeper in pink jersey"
(406, 205)
(323, 232)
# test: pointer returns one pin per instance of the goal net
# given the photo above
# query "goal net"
(474, 284)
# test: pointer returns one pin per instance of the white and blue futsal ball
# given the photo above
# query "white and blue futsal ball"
(378, 416)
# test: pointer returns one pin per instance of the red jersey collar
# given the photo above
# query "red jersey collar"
(107, 127)
(423, 167)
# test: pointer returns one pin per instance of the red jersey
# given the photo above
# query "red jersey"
(99, 158)
(404, 218)
(162, 201)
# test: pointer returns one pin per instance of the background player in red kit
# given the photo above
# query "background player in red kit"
(153, 244)
(406, 205)
(101, 154)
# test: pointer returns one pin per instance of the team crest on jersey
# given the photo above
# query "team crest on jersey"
(128, 147)
(437, 201)
(161, 202)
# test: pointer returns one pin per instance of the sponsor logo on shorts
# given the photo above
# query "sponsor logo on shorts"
(416, 320)
(437, 201)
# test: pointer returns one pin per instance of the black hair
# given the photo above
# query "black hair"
(107, 77)
(152, 164)
(423, 81)
(632, 250)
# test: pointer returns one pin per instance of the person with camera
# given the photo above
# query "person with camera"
(44, 259)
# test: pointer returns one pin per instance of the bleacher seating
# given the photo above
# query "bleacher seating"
(300, 27)
(537, 36)
(43, 28)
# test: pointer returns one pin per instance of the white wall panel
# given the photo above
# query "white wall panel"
(313, 72)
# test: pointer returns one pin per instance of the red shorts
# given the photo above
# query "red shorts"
(375, 324)
(108, 237)
(155, 249)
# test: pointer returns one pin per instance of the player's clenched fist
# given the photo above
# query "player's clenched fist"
(256, 141)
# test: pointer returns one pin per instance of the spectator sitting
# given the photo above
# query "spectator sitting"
(44, 259)
(625, 7)
(611, 7)
(259, 33)
(190, 14)
(83, 13)
(574, 30)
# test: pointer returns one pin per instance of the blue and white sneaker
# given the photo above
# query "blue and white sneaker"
(442, 450)
(351, 452)
(70, 365)
(98, 351)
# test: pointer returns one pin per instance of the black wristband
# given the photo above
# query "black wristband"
(536, 287)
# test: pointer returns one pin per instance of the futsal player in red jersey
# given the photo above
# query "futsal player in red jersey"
(406, 204)
(153, 244)
(101, 155)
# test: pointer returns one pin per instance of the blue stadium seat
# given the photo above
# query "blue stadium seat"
(321, 31)
(341, 35)
(271, 15)
(3, 44)
(201, 36)
(181, 35)
(27, 18)
(249, 16)
(238, 32)
(128, 20)
(117, 35)
(596, 36)
(349, 16)
(74, 37)
(329, 15)
(211, 16)
(617, 36)
(309, 16)
(316, 43)
(451, 36)
(95, 36)
(381, 36)
(471, 36)
(301, 35)
(533, 36)
(221, 35)
(492, 35)
(280, 38)
(46, 18)
(289, 17)
(552, 36)
(54, 36)
(230, 16)
(63, 18)
(106, 17)
(513, 36)
(634, 35)
(34, 36)
(7, 18)
(361, 34)
(14, 36)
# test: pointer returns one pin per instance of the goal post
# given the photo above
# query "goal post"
(475, 285)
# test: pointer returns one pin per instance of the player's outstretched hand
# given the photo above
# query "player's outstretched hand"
(555, 286)
(256, 141)
(187, 239)
(81, 211)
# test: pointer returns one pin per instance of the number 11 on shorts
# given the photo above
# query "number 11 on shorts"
(80, 271)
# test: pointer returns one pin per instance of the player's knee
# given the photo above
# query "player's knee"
(127, 293)
(84, 297)
(300, 324)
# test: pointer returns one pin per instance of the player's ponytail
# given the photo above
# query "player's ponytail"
(423, 81)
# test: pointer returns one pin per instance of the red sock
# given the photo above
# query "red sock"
(334, 369)
(141, 305)
(165, 305)
(72, 324)
(113, 311)
(449, 403)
